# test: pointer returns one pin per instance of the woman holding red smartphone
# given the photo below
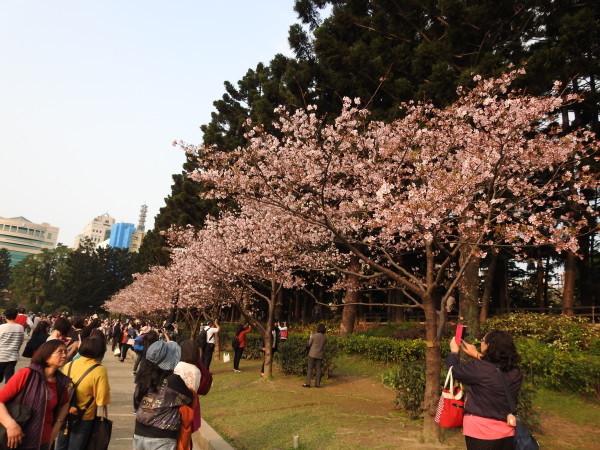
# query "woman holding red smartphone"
(491, 375)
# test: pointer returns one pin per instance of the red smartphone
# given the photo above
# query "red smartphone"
(461, 332)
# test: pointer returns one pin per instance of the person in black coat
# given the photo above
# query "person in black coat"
(489, 422)
(38, 337)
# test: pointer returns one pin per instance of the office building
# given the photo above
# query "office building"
(96, 231)
(22, 238)
(120, 235)
(136, 241)
(138, 235)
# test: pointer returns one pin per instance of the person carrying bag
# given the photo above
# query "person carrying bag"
(90, 398)
(451, 407)
(40, 391)
(523, 438)
(487, 409)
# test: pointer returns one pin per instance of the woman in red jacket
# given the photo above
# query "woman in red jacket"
(240, 340)
(45, 390)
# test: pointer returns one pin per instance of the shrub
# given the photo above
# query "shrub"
(382, 349)
(292, 356)
(572, 371)
(254, 346)
(562, 332)
(400, 330)
(595, 346)
(525, 410)
(408, 380)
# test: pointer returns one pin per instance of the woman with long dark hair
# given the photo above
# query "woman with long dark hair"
(158, 395)
(38, 337)
(488, 422)
(45, 390)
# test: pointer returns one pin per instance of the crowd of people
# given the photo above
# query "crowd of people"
(65, 388)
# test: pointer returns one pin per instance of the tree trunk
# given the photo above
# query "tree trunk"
(305, 308)
(298, 315)
(433, 359)
(488, 287)
(468, 288)
(267, 336)
(433, 364)
(539, 283)
(585, 287)
(569, 284)
(279, 305)
(546, 280)
(350, 298)
(501, 282)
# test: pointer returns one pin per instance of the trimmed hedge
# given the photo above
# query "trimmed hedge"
(387, 350)
(292, 355)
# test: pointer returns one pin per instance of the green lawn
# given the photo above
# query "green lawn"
(348, 412)
(568, 421)
(353, 410)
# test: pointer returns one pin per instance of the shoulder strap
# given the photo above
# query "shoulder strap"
(85, 374)
(509, 398)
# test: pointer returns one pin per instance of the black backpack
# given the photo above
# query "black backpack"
(235, 343)
(75, 412)
(202, 339)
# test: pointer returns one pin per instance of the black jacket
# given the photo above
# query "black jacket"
(485, 392)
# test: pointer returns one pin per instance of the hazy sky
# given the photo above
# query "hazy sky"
(92, 93)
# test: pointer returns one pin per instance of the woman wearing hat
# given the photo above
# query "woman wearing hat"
(158, 395)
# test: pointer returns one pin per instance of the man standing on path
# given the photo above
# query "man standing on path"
(316, 353)
(211, 337)
(11, 338)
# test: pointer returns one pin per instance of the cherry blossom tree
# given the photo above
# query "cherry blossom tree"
(150, 292)
(487, 171)
(245, 258)
(161, 289)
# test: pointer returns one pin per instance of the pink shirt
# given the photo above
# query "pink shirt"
(483, 428)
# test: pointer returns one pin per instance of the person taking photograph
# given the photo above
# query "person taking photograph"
(488, 422)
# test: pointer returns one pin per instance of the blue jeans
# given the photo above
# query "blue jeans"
(77, 438)
(149, 443)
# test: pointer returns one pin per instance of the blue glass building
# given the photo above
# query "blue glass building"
(120, 235)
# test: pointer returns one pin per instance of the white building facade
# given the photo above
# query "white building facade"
(22, 237)
(97, 231)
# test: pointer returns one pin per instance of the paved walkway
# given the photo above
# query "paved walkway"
(121, 391)
(120, 410)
